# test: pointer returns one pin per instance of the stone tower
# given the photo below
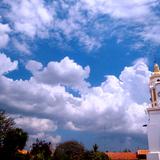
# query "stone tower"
(154, 116)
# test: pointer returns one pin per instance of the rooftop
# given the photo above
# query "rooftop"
(122, 155)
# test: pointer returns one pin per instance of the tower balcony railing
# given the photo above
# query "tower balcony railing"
(154, 105)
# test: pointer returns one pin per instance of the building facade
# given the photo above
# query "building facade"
(153, 110)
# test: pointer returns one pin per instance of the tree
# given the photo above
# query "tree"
(41, 150)
(20, 156)
(126, 150)
(95, 154)
(70, 150)
(11, 139)
(90, 155)
(6, 124)
(95, 147)
(15, 140)
(100, 156)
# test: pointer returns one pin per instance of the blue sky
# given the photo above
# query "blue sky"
(79, 69)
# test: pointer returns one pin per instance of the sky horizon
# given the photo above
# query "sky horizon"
(79, 69)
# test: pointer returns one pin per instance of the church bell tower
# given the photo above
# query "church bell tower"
(154, 116)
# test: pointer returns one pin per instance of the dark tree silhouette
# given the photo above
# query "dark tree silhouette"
(11, 139)
(41, 150)
(126, 150)
(91, 155)
(95, 147)
(70, 150)
(15, 140)
(6, 124)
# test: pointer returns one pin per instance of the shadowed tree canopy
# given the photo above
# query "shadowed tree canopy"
(95, 147)
(6, 124)
(11, 139)
(70, 150)
(41, 150)
(91, 155)
(15, 139)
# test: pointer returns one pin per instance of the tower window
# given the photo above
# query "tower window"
(154, 96)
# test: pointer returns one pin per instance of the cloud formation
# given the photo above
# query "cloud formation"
(30, 17)
(34, 124)
(114, 106)
(90, 21)
(4, 34)
(123, 9)
(66, 72)
(21, 47)
(6, 64)
(59, 94)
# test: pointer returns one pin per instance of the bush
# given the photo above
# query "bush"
(70, 150)
(11, 139)
(41, 150)
(91, 155)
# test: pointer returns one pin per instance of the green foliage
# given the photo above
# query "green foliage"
(6, 124)
(11, 139)
(70, 150)
(100, 156)
(41, 150)
(95, 147)
(126, 150)
(90, 155)
(19, 156)
(15, 139)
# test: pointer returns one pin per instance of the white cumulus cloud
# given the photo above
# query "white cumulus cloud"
(66, 72)
(117, 105)
(33, 66)
(6, 64)
(35, 124)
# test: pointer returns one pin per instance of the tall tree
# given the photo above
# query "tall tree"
(70, 150)
(6, 124)
(15, 140)
(41, 150)
(95, 147)
(91, 155)
(11, 139)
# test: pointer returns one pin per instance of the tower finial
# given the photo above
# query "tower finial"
(156, 68)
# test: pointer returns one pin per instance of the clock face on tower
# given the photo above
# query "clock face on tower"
(158, 92)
